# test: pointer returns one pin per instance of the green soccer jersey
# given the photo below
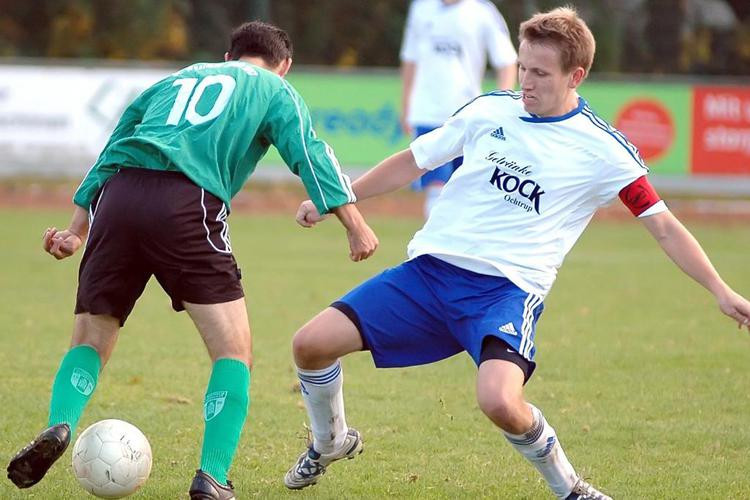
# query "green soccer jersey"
(214, 122)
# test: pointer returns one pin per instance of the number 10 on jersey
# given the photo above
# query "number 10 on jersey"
(190, 93)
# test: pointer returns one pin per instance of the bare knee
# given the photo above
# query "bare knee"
(309, 353)
(507, 410)
(324, 339)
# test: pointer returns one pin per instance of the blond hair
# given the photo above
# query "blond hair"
(563, 29)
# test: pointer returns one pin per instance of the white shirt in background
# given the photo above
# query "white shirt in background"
(449, 44)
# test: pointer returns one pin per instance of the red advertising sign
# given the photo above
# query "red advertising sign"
(721, 130)
(647, 124)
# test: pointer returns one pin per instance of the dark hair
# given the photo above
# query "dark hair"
(256, 38)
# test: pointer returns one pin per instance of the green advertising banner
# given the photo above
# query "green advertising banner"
(656, 117)
(357, 114)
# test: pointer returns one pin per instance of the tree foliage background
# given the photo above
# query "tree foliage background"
(662, 36)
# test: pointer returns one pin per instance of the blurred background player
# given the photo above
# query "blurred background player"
(539, 164)
(156, 203)
(443, 61)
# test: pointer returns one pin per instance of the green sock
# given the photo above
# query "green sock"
(224, 411)
(74, 383)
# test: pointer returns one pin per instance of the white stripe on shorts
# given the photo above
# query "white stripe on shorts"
(224, 230)
(529, 305)
(93, 209)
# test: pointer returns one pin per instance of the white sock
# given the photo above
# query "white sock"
(541, 447)
(324, 400)
(431, 194)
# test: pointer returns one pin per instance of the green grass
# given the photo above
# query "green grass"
(644, 380)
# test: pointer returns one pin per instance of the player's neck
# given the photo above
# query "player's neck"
(281, 69)
(569, 104)
(255, 61)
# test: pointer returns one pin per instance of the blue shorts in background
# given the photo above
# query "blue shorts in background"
(439, 175)
(425, 310)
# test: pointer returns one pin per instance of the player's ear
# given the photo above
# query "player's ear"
(284, 66)
(576, 77)
(226, 56)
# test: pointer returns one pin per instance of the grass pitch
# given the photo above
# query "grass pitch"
(644, 380)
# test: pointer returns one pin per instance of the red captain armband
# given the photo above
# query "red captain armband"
(639, 196)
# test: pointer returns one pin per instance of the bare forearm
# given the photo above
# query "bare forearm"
(690, 257)
(349, 216)
(79, 223)
(686, 252)
(392, 173)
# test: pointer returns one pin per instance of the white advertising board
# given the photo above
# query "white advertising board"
(56, 119)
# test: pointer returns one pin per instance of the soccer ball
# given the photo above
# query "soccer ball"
(111, 459)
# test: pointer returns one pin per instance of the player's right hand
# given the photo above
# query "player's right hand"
(60, 244)
(362, 242)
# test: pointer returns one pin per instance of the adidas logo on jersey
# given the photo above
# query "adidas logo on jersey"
(509, 329)
(498, 133)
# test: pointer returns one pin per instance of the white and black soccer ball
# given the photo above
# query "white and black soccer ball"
(111, 459)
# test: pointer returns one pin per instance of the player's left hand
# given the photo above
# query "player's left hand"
(307, 214)
(60, 244)
(736, 307)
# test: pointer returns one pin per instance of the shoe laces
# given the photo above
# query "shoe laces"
(308, 467)
(309, 442)
(587, 491)
(306, 435)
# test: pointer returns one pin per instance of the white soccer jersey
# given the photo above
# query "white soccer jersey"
(449, 45)
(526, 190)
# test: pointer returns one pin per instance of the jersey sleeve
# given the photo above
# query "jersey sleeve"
(100, 172)
(497, 38)
(443, 144)
(621, 165)
(411, 35)
(289, 128)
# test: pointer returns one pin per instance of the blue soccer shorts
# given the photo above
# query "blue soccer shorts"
(426, 309)
(439, 175)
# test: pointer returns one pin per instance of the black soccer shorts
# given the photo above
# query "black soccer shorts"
(150, 222)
